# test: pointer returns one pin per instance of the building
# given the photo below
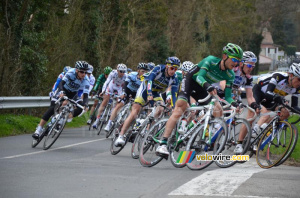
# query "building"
(269, 52)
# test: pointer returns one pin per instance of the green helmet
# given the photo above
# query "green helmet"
(233, 50)
(107, 70)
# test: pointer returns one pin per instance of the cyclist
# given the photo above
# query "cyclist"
(132, 83)
(154, 83)
(98, 89)
(243, 78)
(91, 78)
(59, 78)
(185, 67)
(270, 91)
(114, 82)
(198, 83)
(69, 86)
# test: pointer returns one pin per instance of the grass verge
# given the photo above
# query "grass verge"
(23, 124)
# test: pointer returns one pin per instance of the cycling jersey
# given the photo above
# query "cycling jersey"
(133, 81)
(210, 72)
(276, 83)
(179, 76)
(59, 78)
(242, 80)
(91, 81)
(156, 82)
(100, 82)
(114, 83)
(73, 84)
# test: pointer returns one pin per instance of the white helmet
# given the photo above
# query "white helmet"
(186, 66)
(122, 67)
(249, 57)
(295, 69)
(91, 69)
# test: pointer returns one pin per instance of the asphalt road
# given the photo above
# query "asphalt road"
(79, 164)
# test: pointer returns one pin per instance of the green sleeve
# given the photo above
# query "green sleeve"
(200, 78)
(228, 90)
(97, 84)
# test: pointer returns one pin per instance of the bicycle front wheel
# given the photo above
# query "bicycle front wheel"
(273, 145)
(148, 157)
(202, 148)
(55, 131)
(237, 126)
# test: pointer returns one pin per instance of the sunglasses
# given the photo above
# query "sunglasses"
(83, 72)
(122, 72)
(235, 60)
(249, 65)
(172, 68)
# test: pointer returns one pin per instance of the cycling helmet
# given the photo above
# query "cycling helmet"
(107, 70)
(295, 69)
(151, 65)
(129, 70)
(122, 67)
(174, 61)
(66, 69)
(233, 50)
(81, 65)
(186, 66)
(143, 66)
(91, 69)
(249, 57)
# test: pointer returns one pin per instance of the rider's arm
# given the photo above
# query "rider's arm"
(174, 89)
(125, 88)
(85, 99)
(294, 103)
(151, 77)
(59, 78)
(109, 78)
(228, 91)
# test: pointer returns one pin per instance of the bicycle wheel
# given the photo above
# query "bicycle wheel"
(292, 147)
(55, 131)
(94, 116)
(114, 149)
(273, 147)
(176, 149)
(45, 132)
(103, 118)
(148, 157)
(201, 147)
(135, 149)
(233, 136)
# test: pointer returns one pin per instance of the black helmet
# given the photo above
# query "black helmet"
(143, 66)
(81, 65)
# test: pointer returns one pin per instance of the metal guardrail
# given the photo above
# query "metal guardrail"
(27, 102)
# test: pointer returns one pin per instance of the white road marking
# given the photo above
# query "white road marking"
(220, 182)
(38, 152)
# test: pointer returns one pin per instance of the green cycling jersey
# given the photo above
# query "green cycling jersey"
(210, 72)
(100, 82)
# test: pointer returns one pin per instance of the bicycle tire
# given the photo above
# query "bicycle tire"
(148, 157)
(292, 147)
(54, 133)
(36, 142)
(201, 147)
(114, 150)
(174, 154)
(135, 149)
(269, 150)
(231, 143)
(94, 116)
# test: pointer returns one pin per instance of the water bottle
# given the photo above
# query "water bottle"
(182, 127)
(192, 124)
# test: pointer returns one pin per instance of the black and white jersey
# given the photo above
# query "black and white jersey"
(277, 83)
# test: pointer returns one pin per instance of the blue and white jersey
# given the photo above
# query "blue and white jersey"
(134, 81)
(91, 81)
(159, 81)
(59, 78)
(241, 80)
(73, 84)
